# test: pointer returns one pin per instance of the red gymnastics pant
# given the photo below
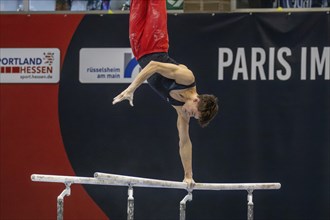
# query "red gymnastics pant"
(148, 27)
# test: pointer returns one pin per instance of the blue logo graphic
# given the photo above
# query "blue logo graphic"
(130, 64)
(130, 67)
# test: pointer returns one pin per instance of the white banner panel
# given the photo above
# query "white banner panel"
(29, 65)
(107, 65)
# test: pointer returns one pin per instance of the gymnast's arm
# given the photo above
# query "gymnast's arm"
(185, 147)
(180, 73)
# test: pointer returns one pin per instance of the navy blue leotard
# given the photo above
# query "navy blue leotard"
(160, 84)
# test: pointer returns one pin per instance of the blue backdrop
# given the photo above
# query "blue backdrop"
(273, 125)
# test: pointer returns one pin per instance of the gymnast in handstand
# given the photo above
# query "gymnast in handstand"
(174, 82)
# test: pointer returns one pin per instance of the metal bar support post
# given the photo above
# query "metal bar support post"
(60, 201)
(250, 205)
(130, 204)
(183, 202)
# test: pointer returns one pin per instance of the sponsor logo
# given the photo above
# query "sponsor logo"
(107, 65)
(29, 65)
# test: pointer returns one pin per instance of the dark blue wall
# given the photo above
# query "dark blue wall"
(266, 131)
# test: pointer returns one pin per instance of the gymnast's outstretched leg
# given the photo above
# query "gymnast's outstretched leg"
(148, 27)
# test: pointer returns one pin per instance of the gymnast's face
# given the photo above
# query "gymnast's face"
(190, 108)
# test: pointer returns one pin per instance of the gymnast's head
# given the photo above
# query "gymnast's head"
(208, 109)
(203, 107)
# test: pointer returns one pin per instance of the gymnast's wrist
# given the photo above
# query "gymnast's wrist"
(188, 175)
(131, 89)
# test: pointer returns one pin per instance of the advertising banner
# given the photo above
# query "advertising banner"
(33, 65)
(107, 65)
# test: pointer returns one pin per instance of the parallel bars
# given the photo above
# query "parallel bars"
(120, 180)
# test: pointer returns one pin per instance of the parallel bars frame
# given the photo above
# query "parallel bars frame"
(129, 181)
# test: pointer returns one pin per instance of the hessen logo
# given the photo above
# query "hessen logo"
(107, 65)
(29, 65)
